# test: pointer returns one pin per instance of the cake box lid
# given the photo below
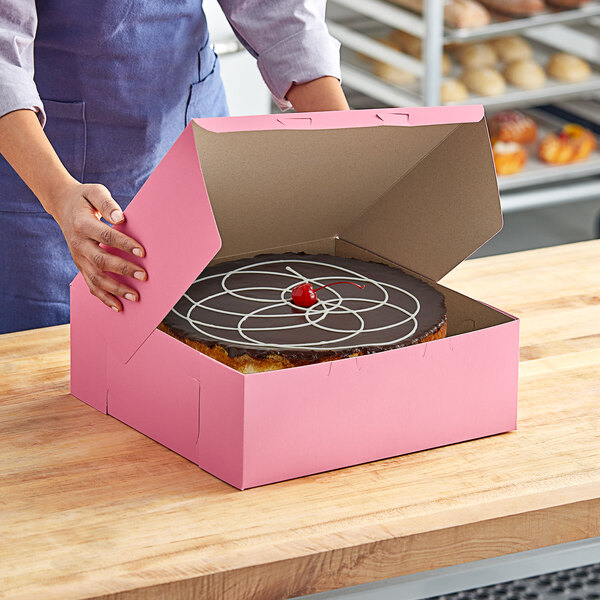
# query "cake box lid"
(416, 186)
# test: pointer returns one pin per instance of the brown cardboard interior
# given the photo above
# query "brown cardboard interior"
(464, 314)
(324, 246)
(423, 197)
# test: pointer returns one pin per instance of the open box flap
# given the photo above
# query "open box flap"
(172, 218)
(279, 180)
(416, 186)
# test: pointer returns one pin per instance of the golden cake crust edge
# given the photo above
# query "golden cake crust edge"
(273, 362)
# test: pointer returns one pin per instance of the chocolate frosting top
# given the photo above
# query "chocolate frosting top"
(245, 306)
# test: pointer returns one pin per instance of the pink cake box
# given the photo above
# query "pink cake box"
(412, 187)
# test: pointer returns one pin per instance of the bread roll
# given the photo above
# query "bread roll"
(474, 56)
(413, 46)
(512, 48)
(485, 81)
(391, 74)
(465, 13)
(569, 68)
(567, 3)
(457, 13)
(526, 74)
(453, 90)
(515, 8)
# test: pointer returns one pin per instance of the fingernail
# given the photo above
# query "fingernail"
(138, 251)
(140, 275)
(115, 308)
(116, 216)
(130, 297)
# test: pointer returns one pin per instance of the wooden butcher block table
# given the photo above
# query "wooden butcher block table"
(90, 508)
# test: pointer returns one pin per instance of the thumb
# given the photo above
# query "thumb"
(99, 197)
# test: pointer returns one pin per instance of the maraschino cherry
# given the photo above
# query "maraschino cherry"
(305, 295)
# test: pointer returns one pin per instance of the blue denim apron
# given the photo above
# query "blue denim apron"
(119, 79)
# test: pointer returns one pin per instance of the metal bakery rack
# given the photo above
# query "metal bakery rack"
(357, 24)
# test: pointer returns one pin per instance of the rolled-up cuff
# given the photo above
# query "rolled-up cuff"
(303, 57)
(18, 91)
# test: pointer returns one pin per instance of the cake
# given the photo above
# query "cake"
(276, 311)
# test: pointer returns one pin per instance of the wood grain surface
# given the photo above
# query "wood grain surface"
(90, 508)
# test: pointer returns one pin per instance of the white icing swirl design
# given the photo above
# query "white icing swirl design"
(316, 316)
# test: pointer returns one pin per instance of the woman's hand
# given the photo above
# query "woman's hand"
(78, 209)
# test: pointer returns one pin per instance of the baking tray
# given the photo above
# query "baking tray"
(357, 74)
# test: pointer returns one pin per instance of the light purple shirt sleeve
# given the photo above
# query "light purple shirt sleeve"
(289, 38)
(18, 23)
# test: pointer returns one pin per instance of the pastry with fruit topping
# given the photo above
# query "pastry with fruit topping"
(572, 143)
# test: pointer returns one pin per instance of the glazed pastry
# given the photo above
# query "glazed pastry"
(453, 90)
(570, 144)
(526, 74)
(509, 157)
(413, 46)
(457, 13)
(474, 56)
(567, 67)
(484, 81)
(512, 48)
(515, 8)
(512, 126)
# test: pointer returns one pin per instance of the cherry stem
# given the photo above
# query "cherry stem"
(362, 287)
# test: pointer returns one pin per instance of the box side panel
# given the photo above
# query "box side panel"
(156, 393)
(88, 350)
(312, 419)
(220, 440)
(183, 399)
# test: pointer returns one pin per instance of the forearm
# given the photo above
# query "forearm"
(320, 94)
(25, 146)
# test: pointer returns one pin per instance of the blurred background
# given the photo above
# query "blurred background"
(533, 64)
